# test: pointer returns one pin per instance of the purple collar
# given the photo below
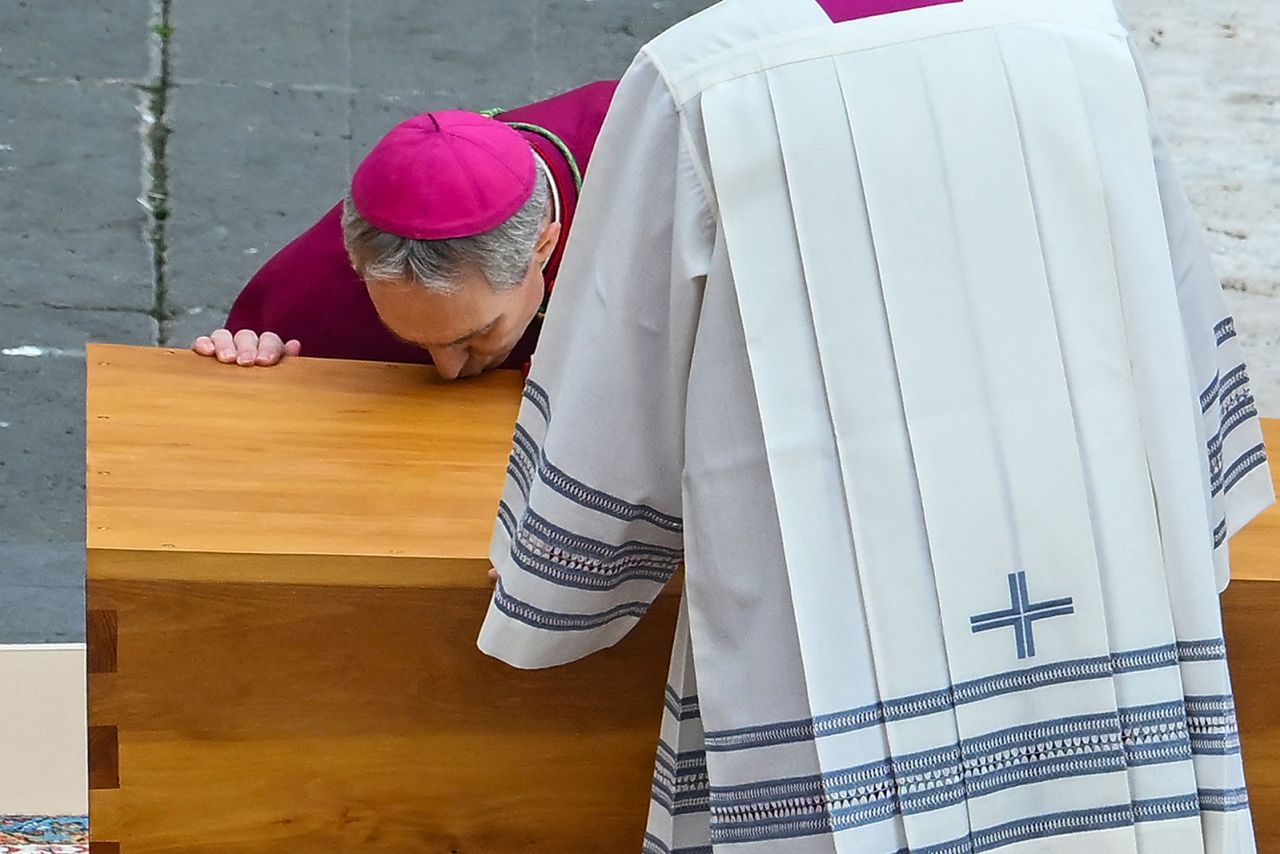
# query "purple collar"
(849, 10)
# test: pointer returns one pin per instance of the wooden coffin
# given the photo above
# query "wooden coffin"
(287, 573)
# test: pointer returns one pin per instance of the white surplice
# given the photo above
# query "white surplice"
(901, 334)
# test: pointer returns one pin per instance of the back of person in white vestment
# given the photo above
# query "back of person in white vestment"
(896, 327)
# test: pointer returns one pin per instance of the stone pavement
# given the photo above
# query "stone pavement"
(154, 152)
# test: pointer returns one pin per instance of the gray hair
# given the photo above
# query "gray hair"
(502, 254)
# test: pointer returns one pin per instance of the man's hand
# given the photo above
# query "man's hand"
(246, 348)
(493, 575)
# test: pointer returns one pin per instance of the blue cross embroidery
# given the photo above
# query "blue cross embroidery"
(1022, 613)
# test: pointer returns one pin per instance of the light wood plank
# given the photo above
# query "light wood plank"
(309, 457)
(1255, 551)
(278, 718)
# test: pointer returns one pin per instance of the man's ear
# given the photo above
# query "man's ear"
(547, 241)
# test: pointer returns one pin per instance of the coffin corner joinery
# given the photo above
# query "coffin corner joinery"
(286, 576)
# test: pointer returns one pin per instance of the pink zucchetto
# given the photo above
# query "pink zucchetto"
(443, 175)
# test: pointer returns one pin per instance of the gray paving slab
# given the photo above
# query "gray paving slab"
(34, 563)
(190, 323)
(71, 228)
(457, 51)
(87, 39)
(249, 168)
(281, 41)
(42, 464)
(42, 411)
(584, 40)
(46, 614)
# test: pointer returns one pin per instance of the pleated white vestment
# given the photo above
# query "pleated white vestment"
(901, 335)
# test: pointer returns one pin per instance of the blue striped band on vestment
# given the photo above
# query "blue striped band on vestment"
(1214, 649)
(1155, 734)
(1057, 824)
(1209, 396)
(521, 465)
(1038, 827)
(681, 708)
(677, 801)
(531, 459)
(1223, 800)
(524, 460)
(654, 845)
(553, 621)
(537, 395)
(1220, 534)
(1236, 402)
(1211, 719)
(918, 705)
(571, 560)
(680, 782)
(1238, 414)
(1233, 380)
(1248, 461)
(1211, 704)
(671, 759)
(1225, 330)
(1225, 743)
(933, 779)
(507, 519)
(1214, 447)
(1155, 809)
(1233, 383)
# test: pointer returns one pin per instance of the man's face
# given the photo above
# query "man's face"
(471, 329)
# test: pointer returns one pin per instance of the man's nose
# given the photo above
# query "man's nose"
(449, 363)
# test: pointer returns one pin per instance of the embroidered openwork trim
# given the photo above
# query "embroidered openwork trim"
(1072, 747)
(1156, 734)
(1235, 380)
(999, 836)
(1214, 447)
(680, 781)
(1069, 747)
(1238, 411)
(570, 560)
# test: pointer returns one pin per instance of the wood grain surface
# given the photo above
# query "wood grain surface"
(309, 457)
(291, 566)
(1255, 551)
(1251, 618)
(282, 718)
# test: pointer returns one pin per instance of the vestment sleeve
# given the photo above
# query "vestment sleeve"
(1239, 481)
(590, 526)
